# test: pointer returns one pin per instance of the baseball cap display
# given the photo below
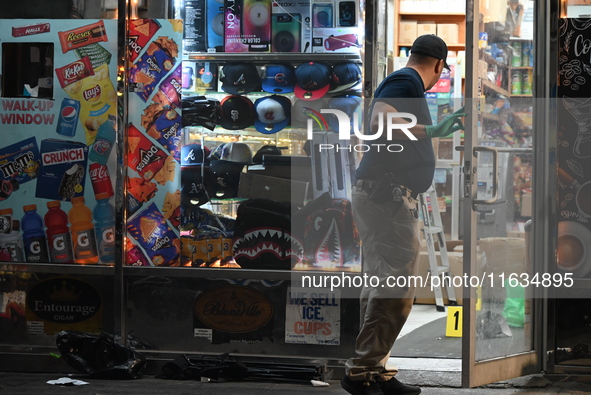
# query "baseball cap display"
(196, 185)
(240, 78)
(312, 80)
(303, 110)
(194, 154)
(226, 179)
(237, 112)
(345, 76)
(279, 78)
(265, 150)
(233, 152)
(273, 113)
(348, 104)
(431, 45)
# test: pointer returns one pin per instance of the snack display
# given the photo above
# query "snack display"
(96, 53)
(150, 229)
(20, 161)
(94, 90)
(143, 155)
(141, 32)
(63, 169)
(164, 125)
(155, 64)
(81, 36)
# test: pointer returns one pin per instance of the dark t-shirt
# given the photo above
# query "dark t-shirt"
(414, 166)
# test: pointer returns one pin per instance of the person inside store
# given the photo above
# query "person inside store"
(386, 213)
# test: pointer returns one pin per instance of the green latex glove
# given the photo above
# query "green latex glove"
(448, 125)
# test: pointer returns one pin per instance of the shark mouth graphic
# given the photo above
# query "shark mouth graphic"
(329, 249)
(268, 240)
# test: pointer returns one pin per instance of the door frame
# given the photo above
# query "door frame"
(542, 242)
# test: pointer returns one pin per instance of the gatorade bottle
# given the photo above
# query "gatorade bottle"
(82, 230)
(105, 139)
(104, 227)
(13, 243)
(58, 234)
(34, 239)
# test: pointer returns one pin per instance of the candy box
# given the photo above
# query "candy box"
(20, 161)
(63, 169)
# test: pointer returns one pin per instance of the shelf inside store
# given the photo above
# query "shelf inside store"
(491, 117)
(55, 268)
(236, 273)
(268, 57)
(431, 14)
(495, 88)
(521, 95)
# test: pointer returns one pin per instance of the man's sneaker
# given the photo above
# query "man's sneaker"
(395, 387)
(360, 387)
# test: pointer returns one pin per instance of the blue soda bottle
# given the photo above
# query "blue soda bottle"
(34, 239)
(103, 144)
(104, 227)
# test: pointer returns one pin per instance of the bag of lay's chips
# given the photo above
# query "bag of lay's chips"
(94, 90)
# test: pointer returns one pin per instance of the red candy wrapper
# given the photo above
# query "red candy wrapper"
(74, 71)
(30, 30)
(140, 33)
(144, 156)
(81, 36)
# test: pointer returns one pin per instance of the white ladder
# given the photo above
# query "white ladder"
(433, 227)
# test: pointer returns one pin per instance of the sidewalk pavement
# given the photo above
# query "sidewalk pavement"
(432, 383)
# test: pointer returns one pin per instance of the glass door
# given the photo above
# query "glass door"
(499, 306)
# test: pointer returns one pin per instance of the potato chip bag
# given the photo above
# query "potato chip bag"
(96, 95)
(152, 232)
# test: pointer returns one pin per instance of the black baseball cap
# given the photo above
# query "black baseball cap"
(240, 78)
(431, 45)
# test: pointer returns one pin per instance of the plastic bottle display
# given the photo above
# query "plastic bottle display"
(103, 144)
(35, 243)
(5, 220)
(58, 234)
(104, 226)
(83, 238)
(7, 187)
(13, 243)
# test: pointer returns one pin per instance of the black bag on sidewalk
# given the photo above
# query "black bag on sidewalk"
(100, 356)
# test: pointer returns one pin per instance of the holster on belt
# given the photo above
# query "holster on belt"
(385, 189)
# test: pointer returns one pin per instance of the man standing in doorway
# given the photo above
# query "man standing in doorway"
(386, 213)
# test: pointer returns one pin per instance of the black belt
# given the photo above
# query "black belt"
(365, 184)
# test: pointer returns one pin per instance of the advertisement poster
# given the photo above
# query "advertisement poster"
(153, 142)
(236, 313)
(574, 147)
(58, 117)
(313, 316)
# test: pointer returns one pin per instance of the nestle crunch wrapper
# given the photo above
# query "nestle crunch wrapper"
(94, 90)
(63, 169)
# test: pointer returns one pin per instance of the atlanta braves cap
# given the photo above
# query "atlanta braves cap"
(312, 80)
(345, 76)
(273, 113)
(431, 45)
(237, 112)
(279, 78)
(240, 78)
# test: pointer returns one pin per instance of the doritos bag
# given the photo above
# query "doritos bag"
(262, 237)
